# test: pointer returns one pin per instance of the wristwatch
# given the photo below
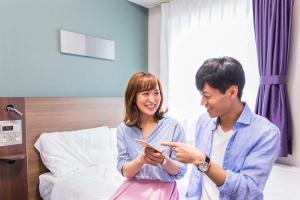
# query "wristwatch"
(164, 161)
(204, 164)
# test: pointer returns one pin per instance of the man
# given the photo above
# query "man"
(235, 148)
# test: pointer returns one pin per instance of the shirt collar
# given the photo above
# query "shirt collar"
(244, 118)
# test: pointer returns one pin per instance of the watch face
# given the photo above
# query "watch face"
(203, 166)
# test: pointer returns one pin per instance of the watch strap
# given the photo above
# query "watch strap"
(164, 161)
(207, 159)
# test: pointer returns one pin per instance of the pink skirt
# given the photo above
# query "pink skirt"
(133, 189)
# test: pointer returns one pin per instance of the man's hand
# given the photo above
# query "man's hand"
(185, 153)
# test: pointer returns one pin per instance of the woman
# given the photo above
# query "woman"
(151, 174)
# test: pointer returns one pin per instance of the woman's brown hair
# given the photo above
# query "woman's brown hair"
(139, 82)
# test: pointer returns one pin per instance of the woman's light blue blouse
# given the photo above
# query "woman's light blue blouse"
(167, 129)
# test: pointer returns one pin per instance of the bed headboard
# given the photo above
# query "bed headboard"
(64, 114)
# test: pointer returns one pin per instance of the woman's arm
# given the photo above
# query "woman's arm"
(128, 167)
(131, 168)
(171, 166)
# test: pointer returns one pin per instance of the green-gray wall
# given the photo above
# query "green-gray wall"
(30, 61)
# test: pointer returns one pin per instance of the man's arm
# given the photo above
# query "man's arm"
(188, 154)
(249, 182)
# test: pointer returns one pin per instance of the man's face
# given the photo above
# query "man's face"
(216, 103)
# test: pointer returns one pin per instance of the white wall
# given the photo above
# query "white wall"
(293, 80)
(154, 40)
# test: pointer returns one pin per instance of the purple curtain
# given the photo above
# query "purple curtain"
(272, 25)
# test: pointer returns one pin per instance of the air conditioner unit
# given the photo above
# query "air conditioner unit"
(149, 3)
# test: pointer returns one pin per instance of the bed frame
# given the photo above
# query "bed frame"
(64, 114)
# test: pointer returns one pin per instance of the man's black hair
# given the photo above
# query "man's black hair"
(221, 73)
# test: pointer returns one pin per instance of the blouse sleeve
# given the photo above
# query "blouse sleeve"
(123, 155)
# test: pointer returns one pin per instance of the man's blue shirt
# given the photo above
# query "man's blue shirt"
(248, 158)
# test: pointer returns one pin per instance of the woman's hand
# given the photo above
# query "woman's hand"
(153, 157)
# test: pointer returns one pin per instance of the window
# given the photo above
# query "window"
(223, 28)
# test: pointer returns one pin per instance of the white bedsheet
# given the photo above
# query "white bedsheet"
(283, 183)
(46, 183)
(94, 183)
(99, 183)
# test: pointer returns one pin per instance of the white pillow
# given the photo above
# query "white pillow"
(65, 153)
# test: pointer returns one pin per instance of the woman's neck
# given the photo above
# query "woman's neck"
(145, 119)
(147, 125)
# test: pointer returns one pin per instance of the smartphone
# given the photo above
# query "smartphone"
(146, 144)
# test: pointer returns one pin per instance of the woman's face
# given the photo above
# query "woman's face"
(148, 101)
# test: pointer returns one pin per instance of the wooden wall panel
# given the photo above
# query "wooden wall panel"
(63, 114)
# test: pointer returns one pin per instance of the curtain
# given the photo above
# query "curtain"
(272, 25)
(195, 30)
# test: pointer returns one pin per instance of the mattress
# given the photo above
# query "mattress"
(93, 183)
(100, 182)
(283, 183)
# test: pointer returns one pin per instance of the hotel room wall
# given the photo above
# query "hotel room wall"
(293, 83)
(30, 61)
(154, 41)
(293, 80)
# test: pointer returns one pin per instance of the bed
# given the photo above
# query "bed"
(63, 114)
(283, 183)
(99, 181)
(82, 164)
(75, 170)
(57, 116)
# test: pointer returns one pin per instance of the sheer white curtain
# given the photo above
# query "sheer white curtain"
(195, 30)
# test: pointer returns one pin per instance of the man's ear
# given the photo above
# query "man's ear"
(233, 91)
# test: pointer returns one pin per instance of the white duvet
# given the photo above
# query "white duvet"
(94, 183)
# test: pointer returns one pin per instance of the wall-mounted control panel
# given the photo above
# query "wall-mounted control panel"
(10, 132)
